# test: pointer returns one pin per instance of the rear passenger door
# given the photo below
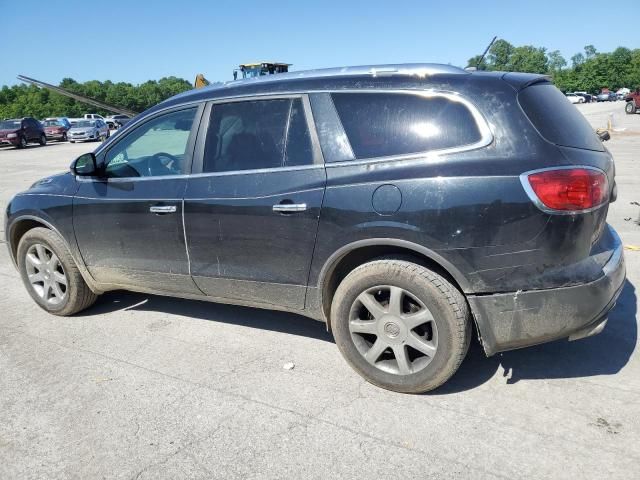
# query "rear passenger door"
(253, 202)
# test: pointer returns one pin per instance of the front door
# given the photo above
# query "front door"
(128, 223)
(251, 214)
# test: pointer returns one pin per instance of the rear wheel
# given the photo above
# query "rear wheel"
(630, 108)
(401, 326)
(43, 140)
(50, 274)
(23, 142)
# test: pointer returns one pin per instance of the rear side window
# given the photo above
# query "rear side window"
(557, 120)
(383, 124)
(257, 134)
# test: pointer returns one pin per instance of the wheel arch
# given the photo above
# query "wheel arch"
(21, 224)
(345, 259)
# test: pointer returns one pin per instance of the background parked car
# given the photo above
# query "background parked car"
(56, 129)
(573, 98)
(20, 131)
(606, 97)
(83, 130)
(93, 116)
(117, 121)
(588, 98)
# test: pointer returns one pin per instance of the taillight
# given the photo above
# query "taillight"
(567, 189)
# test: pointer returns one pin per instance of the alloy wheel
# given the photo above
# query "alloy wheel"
(393, 330)
(46, 274)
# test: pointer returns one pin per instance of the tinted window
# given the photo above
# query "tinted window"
(383, 124)
(257, 134)
(556, 119)
(157, 147)
(298, 151)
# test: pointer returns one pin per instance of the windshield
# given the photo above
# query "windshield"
(10, 124)
(52, 123)
(84, 124)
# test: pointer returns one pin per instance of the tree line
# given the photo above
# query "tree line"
(31, 101)
(588, 71)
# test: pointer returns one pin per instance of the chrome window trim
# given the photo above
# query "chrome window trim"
(486, 135)
(257, 170)
(199, 175)
(524, 180)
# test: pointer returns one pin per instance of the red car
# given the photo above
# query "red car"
(20, 131)
(56, 129)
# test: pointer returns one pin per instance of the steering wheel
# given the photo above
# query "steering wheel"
(163, 163)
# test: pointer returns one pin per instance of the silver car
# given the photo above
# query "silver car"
(83, 130)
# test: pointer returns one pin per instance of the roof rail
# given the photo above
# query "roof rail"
(409, 69)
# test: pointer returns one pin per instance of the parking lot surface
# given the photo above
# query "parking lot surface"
(147, 387)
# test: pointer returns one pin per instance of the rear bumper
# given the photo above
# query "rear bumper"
(518, 319)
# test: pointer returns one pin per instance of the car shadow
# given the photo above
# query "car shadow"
(276, 321)
(603, 354)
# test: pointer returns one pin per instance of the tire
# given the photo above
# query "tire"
(71, 141)
(23, 142)
(75, 296)
(64, 137)
(43, 140)
(630, 108)
(446, 335)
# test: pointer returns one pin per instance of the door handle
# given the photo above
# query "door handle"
(290, 207)
(162, 209)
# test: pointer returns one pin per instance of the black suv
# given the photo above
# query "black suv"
(402, 205)
(21, 131)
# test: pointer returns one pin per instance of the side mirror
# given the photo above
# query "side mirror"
(85, 165)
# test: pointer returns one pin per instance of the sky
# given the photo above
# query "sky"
(139, 40)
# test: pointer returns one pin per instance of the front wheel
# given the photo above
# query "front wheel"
(50, 274)
(23, 142)
(400, 325)
(43, 140)
(630, 108)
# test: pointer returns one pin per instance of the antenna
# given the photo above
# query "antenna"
(485, 52)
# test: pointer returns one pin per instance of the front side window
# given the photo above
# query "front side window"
(155, 148)
(384, 124)
(257, 134)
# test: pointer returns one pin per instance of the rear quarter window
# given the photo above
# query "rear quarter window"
(557, 120)
(386, 124)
